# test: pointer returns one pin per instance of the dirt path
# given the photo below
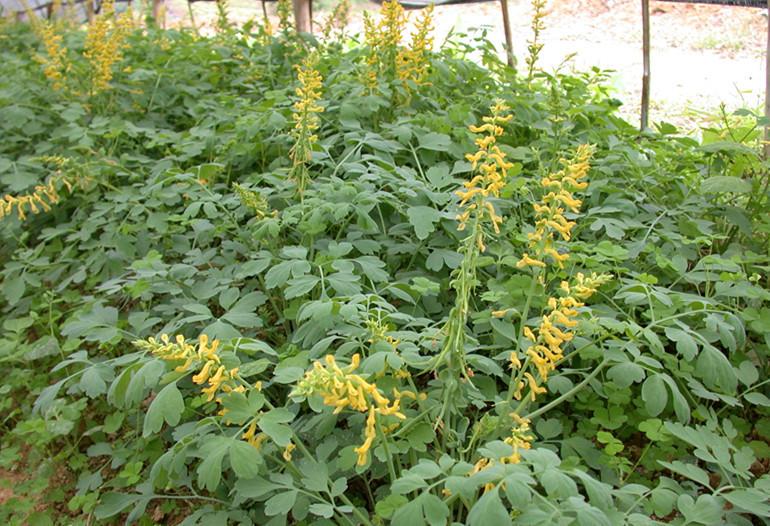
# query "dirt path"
(702, 55)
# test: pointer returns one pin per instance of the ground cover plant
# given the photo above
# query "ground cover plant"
(260, 277)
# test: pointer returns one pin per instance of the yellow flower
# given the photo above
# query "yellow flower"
(252, 200)
(342, 388)
(549, 212)
(104, 44)
(287, 452)
(556, 325)
(382, 42)
(285, 10)
(491, 172)
(253, 438)
(534, 389)
(412, 63)
(520, 439)
(306, 120)
(54, 61)
(204, 373)
(338, 18)
(369, 434)
(527, 261)
(204, 354)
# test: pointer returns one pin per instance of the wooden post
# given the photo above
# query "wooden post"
(644, 121)
(507, 29)
(302, 16)
(767, 87)
(156, 11)
(90, 10)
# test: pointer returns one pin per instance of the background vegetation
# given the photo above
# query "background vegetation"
(286, 210)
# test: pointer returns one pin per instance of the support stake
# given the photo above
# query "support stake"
(644, 121)
(302, 16)
(507, 29)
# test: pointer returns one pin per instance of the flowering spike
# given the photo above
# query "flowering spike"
(550, 223)
(306, 121)
(341, 388)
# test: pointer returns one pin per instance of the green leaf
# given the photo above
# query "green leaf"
(716, 370)
(244, 459)
(757, 399)
(706, 510)
(435, 141)
(681, 407)
(422, 218)
(407, 483)
(685, 344)
(654, 394)
(254, 488)
(243, 313)
(98, 325)
(92, 381)
(385, 508)
(322, 510)
(725, 184)
(489, 510)
(750, 500)
(625, 374)
(281, 503)
(113, 503)
(168, 405)
(549, 428)
(278, 274)
(690, 471)
(13, 288)
(558, 484)
(210, 470)
(272, 423)
(300, 286)
(434, 509)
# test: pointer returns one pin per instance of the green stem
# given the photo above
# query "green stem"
(522, 323)
(568, 394)
(391, 467)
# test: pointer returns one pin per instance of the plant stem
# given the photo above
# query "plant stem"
(562, 398)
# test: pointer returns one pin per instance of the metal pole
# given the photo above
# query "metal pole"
(646, 64)
(507, 29)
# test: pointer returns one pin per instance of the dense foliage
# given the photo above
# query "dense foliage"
(260, 278)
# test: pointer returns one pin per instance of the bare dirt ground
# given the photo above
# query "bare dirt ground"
(702, 55)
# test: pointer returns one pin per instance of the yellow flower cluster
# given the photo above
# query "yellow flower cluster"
(306, 120)
(490, 167)
(252, 437)
(378, 329)
(340, 388)
(54, 61)
(555, 330)
(521, 438)
(204, 355)
(382, 41)
(412, 62)
(43, 197)
(338, 18)
(284, 9)
(253, 201)
(558, 197)
(104, 44)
